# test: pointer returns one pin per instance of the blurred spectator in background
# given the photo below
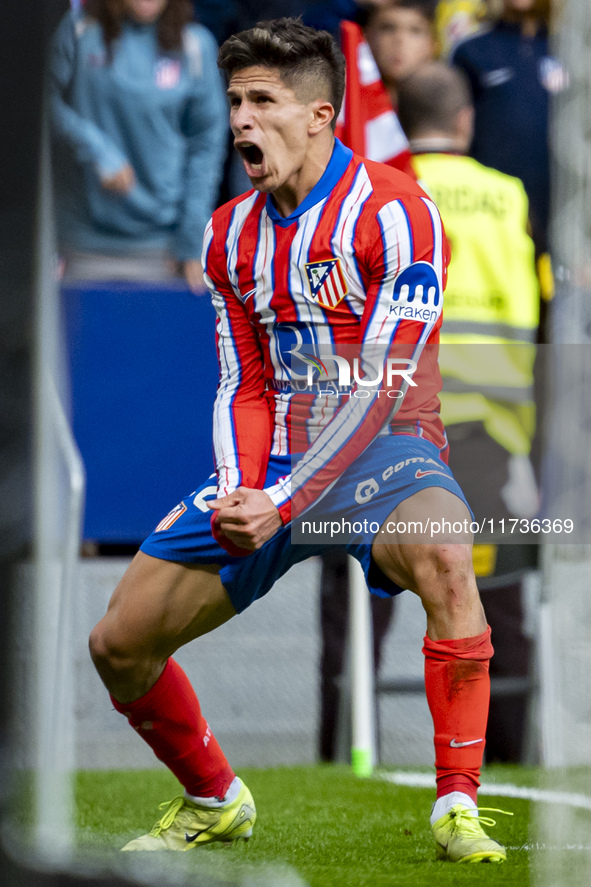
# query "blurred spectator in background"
(455, 20)
(327, 15)
(487, 402)
(139, 116)
(401, 37)
(226, 17)
(511, 76)
(396, 37)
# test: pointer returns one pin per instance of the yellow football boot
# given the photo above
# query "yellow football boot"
(460, 837)
(185, 825)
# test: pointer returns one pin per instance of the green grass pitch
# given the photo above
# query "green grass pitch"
(323, 823)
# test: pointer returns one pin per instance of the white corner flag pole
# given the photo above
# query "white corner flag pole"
(363, 750)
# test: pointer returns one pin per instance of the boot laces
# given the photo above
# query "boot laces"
(467, 817)
(172, 809)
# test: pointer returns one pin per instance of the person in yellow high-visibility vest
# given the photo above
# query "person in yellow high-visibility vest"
(486, 358)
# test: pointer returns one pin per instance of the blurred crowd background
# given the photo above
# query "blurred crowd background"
(143, 149)
(456, 93)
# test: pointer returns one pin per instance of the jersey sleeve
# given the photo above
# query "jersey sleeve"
(241, 417)
(405, 271)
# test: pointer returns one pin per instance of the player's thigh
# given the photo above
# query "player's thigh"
(425, 541)
(161, 605)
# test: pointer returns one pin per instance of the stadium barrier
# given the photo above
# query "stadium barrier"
(143, 372)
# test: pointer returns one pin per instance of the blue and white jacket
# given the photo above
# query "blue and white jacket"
(164, 113)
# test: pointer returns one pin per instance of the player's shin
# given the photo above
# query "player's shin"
(169, 719)
(458, 692)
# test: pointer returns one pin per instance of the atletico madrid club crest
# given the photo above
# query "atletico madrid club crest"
(172, 516)
(327, 282)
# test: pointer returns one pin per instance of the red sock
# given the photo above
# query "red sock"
(458, 692)
(169, 719)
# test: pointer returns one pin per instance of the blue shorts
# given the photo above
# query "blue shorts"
(390, 470)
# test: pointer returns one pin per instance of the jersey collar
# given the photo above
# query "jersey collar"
(338, 163)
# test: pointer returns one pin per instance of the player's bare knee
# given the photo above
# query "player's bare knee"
(444, 576)
(99, 648)
(111, 659)
(454, 561)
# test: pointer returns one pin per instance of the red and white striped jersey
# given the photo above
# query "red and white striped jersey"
(361, 262)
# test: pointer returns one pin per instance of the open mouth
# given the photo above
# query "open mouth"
(252, 155)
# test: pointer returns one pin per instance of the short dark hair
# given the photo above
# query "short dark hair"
(303, 56)
(426, 8)
(431, 97)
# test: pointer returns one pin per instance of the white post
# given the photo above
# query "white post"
(363, 749)
(59, 493)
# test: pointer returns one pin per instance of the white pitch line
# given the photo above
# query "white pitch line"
(502, 789)
(554, 847)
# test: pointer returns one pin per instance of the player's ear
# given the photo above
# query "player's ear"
(321, 114)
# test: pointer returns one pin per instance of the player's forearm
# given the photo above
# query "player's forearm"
(242, 443)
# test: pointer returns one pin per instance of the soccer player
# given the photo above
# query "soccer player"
(327, 250)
